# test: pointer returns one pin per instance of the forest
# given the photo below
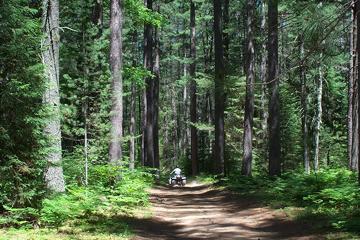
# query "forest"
(256, 101)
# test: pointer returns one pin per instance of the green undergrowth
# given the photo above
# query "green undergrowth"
(329, 198)
(205, 179)
(96, 211)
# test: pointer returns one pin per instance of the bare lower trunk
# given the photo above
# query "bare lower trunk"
(175, 131)
(149, 111)
(318, 117)
(263, 76)
(132, 128)
(184, 106)
(143, 125)
(193, 98)
(226, 19)
(351, 84)
(156, 100)
(132, 125)
(273, 82)
(50, 56)
(357, 9)
(117, 86)
(86, 143)
(249, 99)
(219, 89)
(355, 129)
(304, 96)
(353, 126)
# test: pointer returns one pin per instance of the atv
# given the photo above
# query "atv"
(177, 180)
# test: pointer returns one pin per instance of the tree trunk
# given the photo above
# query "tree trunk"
(85, 108)
(219, 89)
(304, 97)
(149, 110)
(355, 127)
(143, 123)
(183, 107)
(193, 99)
(176, 126)
(156, 81)
(50, 56)
(263, 77)
(353, 138)
(225, 33)
(132, 125)
(86, 144)
(357, 9)
(249, 99)
(351, 84)
(318, 116)
(97, 13)
(273, 82)
(116, 19)
(132, 128)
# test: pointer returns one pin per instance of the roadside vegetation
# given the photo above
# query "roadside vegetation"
(96, 211)
(328, 199)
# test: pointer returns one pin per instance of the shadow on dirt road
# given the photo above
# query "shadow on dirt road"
(200, 212)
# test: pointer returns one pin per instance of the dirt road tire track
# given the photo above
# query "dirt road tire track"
(201, 212)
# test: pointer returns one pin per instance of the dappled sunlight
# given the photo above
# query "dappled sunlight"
(200, 212)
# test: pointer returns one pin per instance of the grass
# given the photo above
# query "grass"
(95, 227)
(51, 234)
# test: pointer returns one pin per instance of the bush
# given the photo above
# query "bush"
(112, 190)
(20, 217)
(331, 193)
(78, 202)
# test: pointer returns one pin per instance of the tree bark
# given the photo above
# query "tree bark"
(351, 83)
(86, 143)
(249, 99)
(184, 108)
(156, 100)
(273, 82)
(304, 97)
(50, 56)
(355, 126)
(318, 116)
(143, 123)
(116, 21)
(132, 125)
(193, 98)
(132, 128)
(226, 19)
(149, 92)
(97, 13)
(353, 139)
(176, 126)
(357, 10)
(219, 89)
(263, 77)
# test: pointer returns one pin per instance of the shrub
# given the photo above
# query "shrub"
(111, 190)
(332, 193)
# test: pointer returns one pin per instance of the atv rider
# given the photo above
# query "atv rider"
(176, 172)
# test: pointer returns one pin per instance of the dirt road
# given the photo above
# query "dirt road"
(200, 212)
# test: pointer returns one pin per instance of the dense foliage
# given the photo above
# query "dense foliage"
(108, 194)
(330, 197)
(316, 42)
(22, 114)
